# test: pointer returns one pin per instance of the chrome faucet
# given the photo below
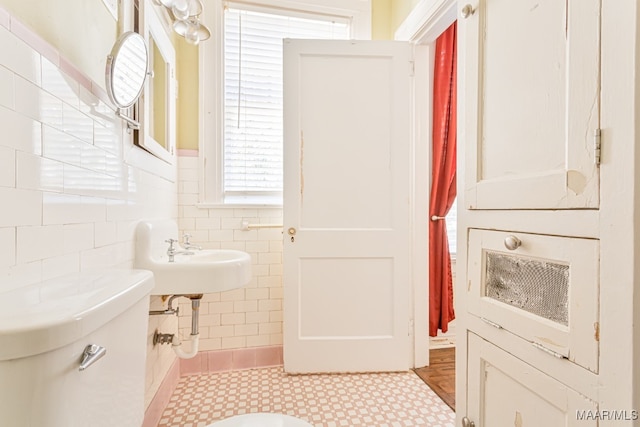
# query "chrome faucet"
(187, 244)
(172, 252)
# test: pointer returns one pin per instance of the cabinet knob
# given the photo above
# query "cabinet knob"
(512, 243)
(466, 422)
(467, 11)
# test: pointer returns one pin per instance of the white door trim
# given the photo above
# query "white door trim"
(427, 21)
(422, 27)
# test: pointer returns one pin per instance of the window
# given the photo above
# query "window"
(241, 103)
(253, 133)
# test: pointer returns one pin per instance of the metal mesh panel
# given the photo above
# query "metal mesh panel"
(538, 287)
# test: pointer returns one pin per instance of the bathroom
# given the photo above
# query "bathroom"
(75, 186)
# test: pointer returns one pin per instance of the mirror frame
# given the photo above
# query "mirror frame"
(112, 62)
(153, 28)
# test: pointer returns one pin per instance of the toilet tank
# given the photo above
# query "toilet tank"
(44, 331)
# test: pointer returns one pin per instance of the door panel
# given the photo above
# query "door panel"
(347, 206)
(505, 391)
(545, 291)
(531, 122)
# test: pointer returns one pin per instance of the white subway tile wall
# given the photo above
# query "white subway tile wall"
(241, 318)
(70, 198)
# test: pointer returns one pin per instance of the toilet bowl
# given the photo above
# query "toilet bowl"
(261, 420)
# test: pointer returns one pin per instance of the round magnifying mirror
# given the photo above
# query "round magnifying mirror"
(127, 69)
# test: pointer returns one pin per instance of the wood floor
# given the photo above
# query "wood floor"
(440, 375)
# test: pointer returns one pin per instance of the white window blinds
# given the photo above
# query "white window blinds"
(253, 134)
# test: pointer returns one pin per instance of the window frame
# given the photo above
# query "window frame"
(211, 75)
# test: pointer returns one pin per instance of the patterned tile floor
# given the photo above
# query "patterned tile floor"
(368, 400)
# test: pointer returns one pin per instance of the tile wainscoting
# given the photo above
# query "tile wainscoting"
(72, 184)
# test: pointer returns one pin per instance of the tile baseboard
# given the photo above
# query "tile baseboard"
(209, 361)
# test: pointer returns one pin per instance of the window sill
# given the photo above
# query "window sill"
(243, 205)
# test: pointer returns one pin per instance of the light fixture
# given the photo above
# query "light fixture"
(186, 19)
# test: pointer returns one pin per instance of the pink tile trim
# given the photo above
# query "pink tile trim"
(227, 360)
(220, 360)
(34, 40)
(269, 356)
(5, 18)
(244, 358)
(195, 365)
(44, 48)
(185, 152)
(73, 72)
(100, 93)
(160, 401)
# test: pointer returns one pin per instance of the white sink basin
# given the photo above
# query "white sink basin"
(200, 272)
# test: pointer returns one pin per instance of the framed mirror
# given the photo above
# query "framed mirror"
(126, 72)
(158, 102)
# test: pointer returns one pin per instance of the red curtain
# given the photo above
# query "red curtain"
(443, 187)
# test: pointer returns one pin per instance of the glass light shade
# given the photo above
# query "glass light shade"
(195, 8)
(191, 35)
(189, 28)
(180, 10)
(203, 32)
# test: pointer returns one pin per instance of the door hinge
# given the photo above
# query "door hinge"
(548, 351)
(597, 145)
(412, 68)
(490, 323)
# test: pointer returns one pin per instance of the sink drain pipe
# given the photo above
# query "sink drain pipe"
(174, 339)
(195, 333)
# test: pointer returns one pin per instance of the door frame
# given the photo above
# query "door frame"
(421, 28)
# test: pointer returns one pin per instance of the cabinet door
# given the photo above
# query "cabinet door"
(505, 391)
(545, 290)
(531, 96)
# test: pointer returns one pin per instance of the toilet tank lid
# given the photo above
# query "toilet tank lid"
(53, 313)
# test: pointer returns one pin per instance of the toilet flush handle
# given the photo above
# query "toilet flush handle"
(92, 353)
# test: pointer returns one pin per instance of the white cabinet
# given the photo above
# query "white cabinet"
(535, 89)
(531, 104)
(504, 391)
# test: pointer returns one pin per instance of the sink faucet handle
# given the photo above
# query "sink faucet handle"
(186, 238)
(171, 242)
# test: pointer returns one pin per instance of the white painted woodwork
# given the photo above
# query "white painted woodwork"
(511, 182)
(504, 391)
(532, 104)
(579, 339)
(347, 192)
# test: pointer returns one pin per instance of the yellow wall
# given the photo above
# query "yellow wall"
(187, 69)
(82, 30)
(400, 9)
(381, 20)
(387, 15)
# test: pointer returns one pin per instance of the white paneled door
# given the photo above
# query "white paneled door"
(347, 206)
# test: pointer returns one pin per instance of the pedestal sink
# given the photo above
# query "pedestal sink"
(192, 271)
